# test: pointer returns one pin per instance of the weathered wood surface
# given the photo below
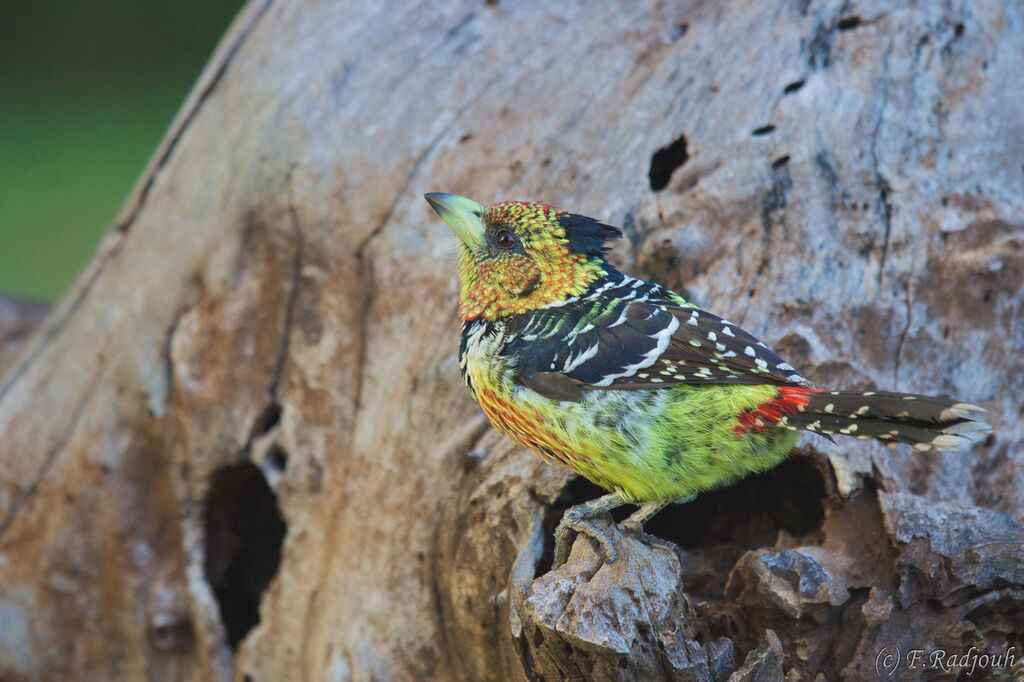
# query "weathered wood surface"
(262, 353)
(18, 319)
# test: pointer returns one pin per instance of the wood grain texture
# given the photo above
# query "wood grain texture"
(268, 336)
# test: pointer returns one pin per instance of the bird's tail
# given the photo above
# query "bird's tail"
(924, 422)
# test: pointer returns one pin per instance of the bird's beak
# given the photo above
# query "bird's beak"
(462, 215)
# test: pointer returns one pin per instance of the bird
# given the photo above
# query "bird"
(630, 385)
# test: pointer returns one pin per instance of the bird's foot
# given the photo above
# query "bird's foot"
(582, 519)
(637, 519)
(590, 527)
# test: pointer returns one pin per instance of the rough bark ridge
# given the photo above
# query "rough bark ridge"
(240, 446)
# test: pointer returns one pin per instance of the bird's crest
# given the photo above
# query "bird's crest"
(586, 235)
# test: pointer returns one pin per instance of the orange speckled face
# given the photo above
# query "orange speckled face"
(525, 262)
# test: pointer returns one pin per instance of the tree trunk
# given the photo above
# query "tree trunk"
(240, 448)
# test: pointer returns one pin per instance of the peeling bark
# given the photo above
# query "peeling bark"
(240, 448)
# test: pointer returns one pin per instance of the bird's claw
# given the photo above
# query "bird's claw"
(590, 527)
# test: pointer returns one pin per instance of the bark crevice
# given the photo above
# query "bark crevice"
(271, 302)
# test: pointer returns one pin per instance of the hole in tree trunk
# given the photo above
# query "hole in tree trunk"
(847, 23)
(665, 161)
(793, 87)
(751, 512)
(244, 532)
(277, 457)
(267, 419)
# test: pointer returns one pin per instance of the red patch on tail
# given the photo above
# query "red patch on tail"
(786, 401)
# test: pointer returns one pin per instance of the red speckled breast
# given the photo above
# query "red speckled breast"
(527, 427)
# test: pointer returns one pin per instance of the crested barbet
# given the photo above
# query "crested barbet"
(630, 385)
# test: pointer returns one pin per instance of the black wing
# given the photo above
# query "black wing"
(629, 334)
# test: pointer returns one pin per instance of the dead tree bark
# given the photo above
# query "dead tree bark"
(240, 448)
(18, 318)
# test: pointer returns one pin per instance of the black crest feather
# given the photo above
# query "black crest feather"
(587, 235)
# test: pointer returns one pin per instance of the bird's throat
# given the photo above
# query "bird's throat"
(492, 289)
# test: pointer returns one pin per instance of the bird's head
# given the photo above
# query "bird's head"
(516, 256)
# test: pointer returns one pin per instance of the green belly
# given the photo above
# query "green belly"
(665, 444)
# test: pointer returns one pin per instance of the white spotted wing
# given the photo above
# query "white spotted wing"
(629, 334)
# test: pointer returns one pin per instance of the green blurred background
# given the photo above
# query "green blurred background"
(87, 90)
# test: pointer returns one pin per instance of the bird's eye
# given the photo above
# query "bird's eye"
(505, 239)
